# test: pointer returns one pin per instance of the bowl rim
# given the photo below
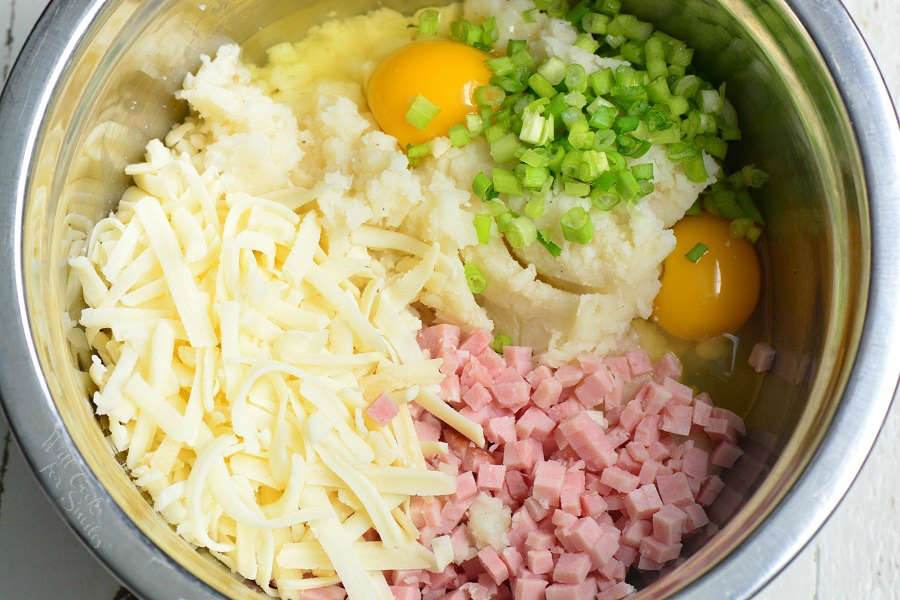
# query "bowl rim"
(109, 533)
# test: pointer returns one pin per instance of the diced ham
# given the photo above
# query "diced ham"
(653, 397)
(547, 393)
(681, 394)
(534, 423)
(593, 505)
(645, 564)
(695, 463)
(695, 517)
(452, 513)
(627, 554)
(475, 457)
(569, 375)
(589, 441)
(718, 429)
(659, 552)
(642, 502)
(493, 564)
(648, 472)
(512, 395)
(477, 396)
(631, 415)
(540, 561)
(539, 539)
(564, 410)
(474, 372)
(450, 389)
(513, 560)
(530, 589)
(668, 523)
(383, 409)
(572, 491)
(493, 362)
(638, 362)
(501, 430)
(404, 592)
(594, 388)
(536, 376)
(437, 337)
(667, 366)
(516, 485)
(584, 534)
(677, 419)
(734, 421)
(725, 455)
(519, 455)
(762, 357)
(616, 592)
(491, 477)
(647, 431)
(589, 363)
(548, 481)
(613, 570)
(537, 509)
(619, 479)
(465, 486)
(674, 489)
(571, 568)
(519, 358)
(702, 413)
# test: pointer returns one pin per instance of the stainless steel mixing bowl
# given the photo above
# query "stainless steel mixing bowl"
(94, 84)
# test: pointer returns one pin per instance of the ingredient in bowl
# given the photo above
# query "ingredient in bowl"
(442, 73)
(710, 283)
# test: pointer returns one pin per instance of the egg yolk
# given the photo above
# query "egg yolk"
(445, 73)
(715, 295)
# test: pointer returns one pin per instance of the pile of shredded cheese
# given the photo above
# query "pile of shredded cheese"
(240, 326)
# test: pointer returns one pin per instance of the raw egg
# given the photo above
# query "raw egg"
(717, 293)
(445, 73)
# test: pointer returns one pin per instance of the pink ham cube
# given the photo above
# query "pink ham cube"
(648, 472)
(501, 430)
(519, 358)
(516, 485)
(382, 410)
(572, 491)
(586, 590)
(677, 419)
(762, 357)
(668, 523)
(594, 388)
(540, 561)
(696, 517)
(536, 376)
(674, 489)
(534, 423)
(530, 589)
(636, 531)
(437, 337)
(493, 564)
(667, 366)
(593, 505)
(619, 479)
(642, 502)
(491, 477)
(588, 439)
(659, 552)
(405, 592)
(547, 393)
(563, 520)
(538, 539)
(702, 413)
(681, 394)
(477, 396)
(710, 490)
(568, 375)
(638, 362)
(616, 592)
(695, 463)
(584, 534)
(725, 455)
(512, 559)
(512, 395)
(519, 455)
(626, 555)
(647, 431)
(571, 568)
(631, 415)
(590, 363)
(548, 481)
(653, 397)
(477, 342)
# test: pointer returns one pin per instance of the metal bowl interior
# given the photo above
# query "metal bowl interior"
(96, 82)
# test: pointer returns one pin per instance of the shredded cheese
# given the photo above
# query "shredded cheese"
(238, 328)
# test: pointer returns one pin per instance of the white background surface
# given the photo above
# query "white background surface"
(855, 557)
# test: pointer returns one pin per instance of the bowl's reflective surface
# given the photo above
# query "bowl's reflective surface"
(109, 90)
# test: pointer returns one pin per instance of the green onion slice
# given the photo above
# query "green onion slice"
(476, 281)
(576, 226)
(421, 113)
(696, 253)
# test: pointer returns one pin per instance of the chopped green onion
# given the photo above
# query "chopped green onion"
(587, 43)
(533, 178)
(428, 22)
(616, 161)
(694, 210)
(578, 13)
(627, 185)
(421, 113)
(504, 220)
(513, 46)
(483, 225)
(750, 177)
(482, 186)
(710, 101)
(528, 16)
(695, 170)
(501, 66)
(535, 157)
(631, 146)
(605, 181)
(474, 124)
(523, 58)
(495, 132)
(748, 207)
(489, 95)
(521, 232)
(633, 52)
(601, 81)
(491, 33)
(459, 135)
(696, 253)
(554, 70)
(739, 228)
(477, 282)
(534, 209)
(681, 152)
(609, 7)
(626, 124)
(687, 86)
(605, 200)
(541, 86)
(505, 182)
(576, 226)
(577, 189)
(595, 23)
(643, 172)
(672, 135)
(548, 244)
(500, 342)
(576, 78)
(420, 151)
(504, 149)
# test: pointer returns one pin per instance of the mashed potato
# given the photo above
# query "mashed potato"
(584, 300)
